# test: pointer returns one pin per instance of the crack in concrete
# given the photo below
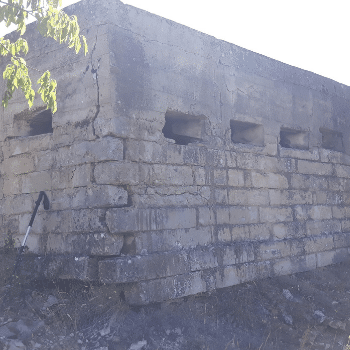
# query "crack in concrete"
(94, 71)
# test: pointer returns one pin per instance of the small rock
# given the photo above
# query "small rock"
(50, 302)
(287, 294)
(24, 331)
(105, 331)
(138, 346)
(15, 345)
(287, 319)
(337, 324)
(319, 316)
(6, 333)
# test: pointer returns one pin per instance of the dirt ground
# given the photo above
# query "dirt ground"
(309, 310)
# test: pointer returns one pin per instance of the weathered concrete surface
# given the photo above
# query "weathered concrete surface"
(176, 163)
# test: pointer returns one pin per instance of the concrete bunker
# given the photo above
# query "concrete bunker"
(158, 191)
(245, 132)
(183, 128)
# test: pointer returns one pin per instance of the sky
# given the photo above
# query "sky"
(309, 34)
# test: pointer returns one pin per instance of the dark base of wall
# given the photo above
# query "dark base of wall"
(145, 291)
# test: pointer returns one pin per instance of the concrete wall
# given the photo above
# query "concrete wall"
(177, 163)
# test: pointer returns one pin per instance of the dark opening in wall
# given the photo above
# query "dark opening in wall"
(290, 138)
(183, 128)
(249, 133)
(33, 122)
(332, 140)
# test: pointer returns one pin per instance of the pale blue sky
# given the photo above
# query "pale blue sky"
(309, 34)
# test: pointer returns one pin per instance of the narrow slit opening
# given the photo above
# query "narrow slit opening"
(183, 128)
(248, 133)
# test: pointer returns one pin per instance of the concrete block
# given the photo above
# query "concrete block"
(342, 171)
(166, 240)
(174, 154)
(130, 220)
(338, 184)
(289, 197)
(238, 253)
(144, 267)
(171, 175)
(88, 220)
(97, 196)
(269, 180)
(341, 254)
(231, 159)
(289, 230)
(329, 156)
(220, 177)
(271, 214)
(308, 182)
(117, 173)
(227, 277)
(225, 235)
(20, 164)
(341, 212)
(36, 182)
(165, 289)
(248, 197)
(26, 145)
(220, 195)
(294, 264)
(300, 154)
(314, 168)
(206, 216)
(203, 258)
(253, 271)
(273, 250)
(260, 232)
(217, 158)
(315, 212)
(341, 240)
(74, 176)
(99, 244)
(144, 151)
(194, 155)
(318, 244)
(319, 227)
(99, 150)
(286, 165)
(257, 162)
(23, 203)
(171, 196)
(65, 267)
(199, 176)
(235, 178)
(329, 198)
(44, 160)
(326, 258)
(11, 185)
(237, 215)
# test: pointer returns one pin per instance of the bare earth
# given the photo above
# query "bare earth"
(308, 310)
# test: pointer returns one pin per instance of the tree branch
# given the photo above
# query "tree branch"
(19, 8)
(18, 60)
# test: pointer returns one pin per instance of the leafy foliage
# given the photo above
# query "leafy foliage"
(51, 22)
